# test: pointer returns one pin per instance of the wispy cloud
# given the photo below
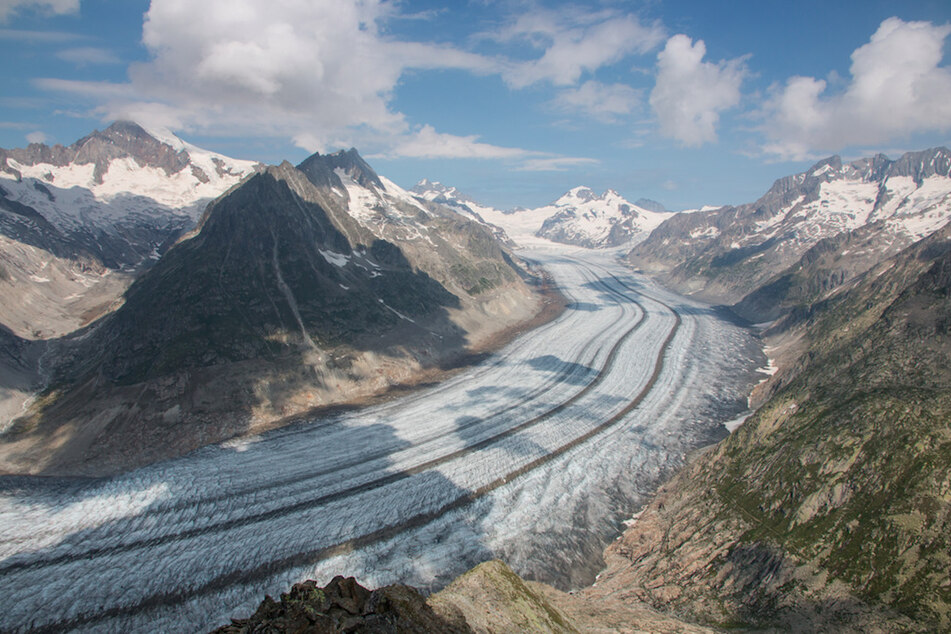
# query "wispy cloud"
(88, 56)
(429, 144)
(100, 90)
(554, 164)
(8, 8)
(39, 37)
(603, 102)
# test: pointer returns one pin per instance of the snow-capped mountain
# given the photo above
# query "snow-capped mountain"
(871, 208)
(118, 195)
(77, 221)
(580, 217)
(583, 218)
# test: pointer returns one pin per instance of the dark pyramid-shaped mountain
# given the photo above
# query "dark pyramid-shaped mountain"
(270, 273)
(295, 293)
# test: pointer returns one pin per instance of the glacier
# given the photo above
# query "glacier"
(536, 455)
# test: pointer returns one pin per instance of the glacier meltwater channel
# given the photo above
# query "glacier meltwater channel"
(535, 455)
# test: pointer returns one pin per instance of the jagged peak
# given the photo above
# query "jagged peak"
(320, 168)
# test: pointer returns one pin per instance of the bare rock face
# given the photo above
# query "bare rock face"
(343, 605)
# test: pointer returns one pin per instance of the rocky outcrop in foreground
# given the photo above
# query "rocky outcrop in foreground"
(489, 598)
(343, 605)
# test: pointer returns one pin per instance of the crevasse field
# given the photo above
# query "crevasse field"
(536, 456)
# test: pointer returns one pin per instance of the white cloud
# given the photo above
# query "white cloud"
(36, 137)
(555, 164)
(428, 143)
(690, 93)
(9, 8)
(21, 35)
(324, 73)
(317, 71)
(575, 42)
(99, 90)
(604, 102)
(87, 55)
(897, 88)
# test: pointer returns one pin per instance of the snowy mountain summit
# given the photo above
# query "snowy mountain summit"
(77, 223)
(580, 217)
(583, 218)
(436, 192)
(862, 211)
(117, 195)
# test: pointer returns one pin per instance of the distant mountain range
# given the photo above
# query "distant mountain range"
(580, 217)
(301, 287)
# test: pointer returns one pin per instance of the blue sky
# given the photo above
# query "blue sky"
(687, 102)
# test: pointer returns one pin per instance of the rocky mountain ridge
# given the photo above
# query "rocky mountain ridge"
(120, 195)
(726, 254)
(490, 598)
(77, 223)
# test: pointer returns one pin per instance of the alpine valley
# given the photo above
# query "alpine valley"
(732, 418)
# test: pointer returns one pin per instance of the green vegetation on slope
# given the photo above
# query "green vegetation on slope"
(832, 504)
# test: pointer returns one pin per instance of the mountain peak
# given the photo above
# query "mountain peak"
(125, 139)
(581, 193)
(320, 168)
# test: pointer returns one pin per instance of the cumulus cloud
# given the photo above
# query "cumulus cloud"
(36, 137)
(897, 88)
(304, 70)
(8, 8)
(324, 73)
(604, 102)
(575, 42)
(690, 93)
